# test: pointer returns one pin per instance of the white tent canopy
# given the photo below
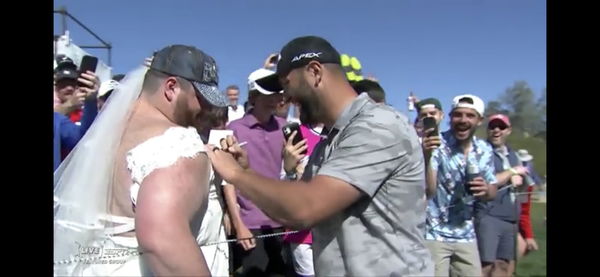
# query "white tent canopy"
(64, 45)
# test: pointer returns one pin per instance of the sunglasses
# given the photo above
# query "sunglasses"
(502, 127)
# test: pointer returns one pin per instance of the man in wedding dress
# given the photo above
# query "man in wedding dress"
(158, 176)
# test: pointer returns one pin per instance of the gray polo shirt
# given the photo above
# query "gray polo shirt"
(372, 147)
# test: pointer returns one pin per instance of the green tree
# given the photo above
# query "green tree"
(541, 107)
(528, 117)
(495, 107)
(520, 102)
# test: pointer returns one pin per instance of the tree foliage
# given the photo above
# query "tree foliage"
(528, 118)
(526, 113)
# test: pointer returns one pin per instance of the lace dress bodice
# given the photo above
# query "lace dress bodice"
(159, 152)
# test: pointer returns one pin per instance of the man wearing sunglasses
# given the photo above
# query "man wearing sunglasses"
(496, 220)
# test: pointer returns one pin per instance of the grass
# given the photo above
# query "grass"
(534, 264)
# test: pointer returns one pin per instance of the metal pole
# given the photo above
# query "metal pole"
(86, 28)
(110, 55)
(55, 40)
(93, 46)
(63, 11)
(64, 19)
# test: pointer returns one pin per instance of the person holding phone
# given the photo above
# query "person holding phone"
(65, 86)
(300, 143)
(71, 122)
(261, 129)
(450, 232)
(72, 88)
(430, 107)
(362, 192)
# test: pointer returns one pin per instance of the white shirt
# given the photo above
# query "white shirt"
(235, 114)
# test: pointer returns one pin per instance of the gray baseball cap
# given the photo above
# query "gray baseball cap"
(192, 64)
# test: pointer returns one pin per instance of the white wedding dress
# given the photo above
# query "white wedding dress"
(86, 238)
(212, 233)
(114, 255)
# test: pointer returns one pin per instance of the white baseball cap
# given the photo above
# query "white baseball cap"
(524, 155)
(107, 86)
(257, 75)
(469, 101)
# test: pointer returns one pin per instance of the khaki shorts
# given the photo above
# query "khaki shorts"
(458, 258)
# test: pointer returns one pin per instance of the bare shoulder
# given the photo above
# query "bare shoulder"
(183, 184)
(176, 195)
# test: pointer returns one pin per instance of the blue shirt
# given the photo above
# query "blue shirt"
(454, 223)
(67, 133)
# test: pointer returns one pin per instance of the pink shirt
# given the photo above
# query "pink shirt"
(312, 138)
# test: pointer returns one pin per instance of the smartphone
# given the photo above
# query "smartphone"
(289, 129)
(88, 63)
(428, 123)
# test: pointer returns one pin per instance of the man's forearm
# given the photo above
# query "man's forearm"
(282, 201)
(503, 177)
(232, 206)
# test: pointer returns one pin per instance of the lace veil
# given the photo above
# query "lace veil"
(83, 180)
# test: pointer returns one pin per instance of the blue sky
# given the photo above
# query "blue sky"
(436, 48)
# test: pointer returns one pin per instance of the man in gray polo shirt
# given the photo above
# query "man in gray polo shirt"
(365, 201)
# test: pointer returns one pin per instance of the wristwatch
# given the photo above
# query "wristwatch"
(291, 176)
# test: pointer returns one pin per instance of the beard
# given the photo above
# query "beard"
(311, 112)
(470, 131)
(183, 114)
